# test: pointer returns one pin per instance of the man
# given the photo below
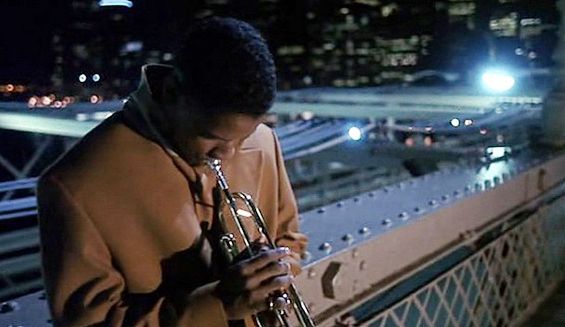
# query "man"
(127, 221)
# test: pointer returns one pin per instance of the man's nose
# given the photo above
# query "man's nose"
(223, 152)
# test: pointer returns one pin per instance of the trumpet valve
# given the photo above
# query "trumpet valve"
(279, 302)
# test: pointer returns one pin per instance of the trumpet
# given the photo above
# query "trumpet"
(280, 303)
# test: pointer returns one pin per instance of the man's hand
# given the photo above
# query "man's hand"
(246, 285)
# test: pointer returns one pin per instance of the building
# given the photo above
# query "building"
(338, 43)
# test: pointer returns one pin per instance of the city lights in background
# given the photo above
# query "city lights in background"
(12, 88)
(115, 3)
(497, 80)
(355, 133)
(50, 101)
(307, 115)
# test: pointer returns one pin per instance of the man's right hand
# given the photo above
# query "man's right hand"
(246, 285)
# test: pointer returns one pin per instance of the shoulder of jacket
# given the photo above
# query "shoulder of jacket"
(263, 139)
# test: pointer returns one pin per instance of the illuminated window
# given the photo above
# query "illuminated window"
(505, 26)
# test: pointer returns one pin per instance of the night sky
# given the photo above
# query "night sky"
(26, 31)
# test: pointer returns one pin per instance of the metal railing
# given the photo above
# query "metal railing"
(449, 263)
(499, 284)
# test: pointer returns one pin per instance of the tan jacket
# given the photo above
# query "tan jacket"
(123, 227)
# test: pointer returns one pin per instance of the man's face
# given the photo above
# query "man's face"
(219, 137)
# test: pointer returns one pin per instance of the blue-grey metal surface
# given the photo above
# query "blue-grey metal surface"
(18, 184)
(350, 222)
(27, 311)
(18, 204)
(296, 127)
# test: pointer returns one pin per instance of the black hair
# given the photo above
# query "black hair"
(226, 67)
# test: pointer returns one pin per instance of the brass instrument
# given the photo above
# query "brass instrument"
(280, 303)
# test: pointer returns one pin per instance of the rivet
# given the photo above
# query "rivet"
(478, 186)
(311, 273)
(362, 265)
(432, 203)
(347, 237)
(371, 194)
(356, 199)
(43, 296)
(468, 188)
(496, 180)
(306, 256)
(487, 183)
(417, 209)
(364, 231)
(456, 193)
(9, 306)
(325, 247)
(403, 215)
(445, 197)
(387, 222)
(339, 204)
(321, 210)
(385, 190)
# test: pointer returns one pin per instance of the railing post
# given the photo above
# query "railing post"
(553, 115)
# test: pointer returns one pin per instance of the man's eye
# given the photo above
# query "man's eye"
(207, 135)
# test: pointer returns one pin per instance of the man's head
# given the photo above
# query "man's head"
(226, 66)
(224, 83)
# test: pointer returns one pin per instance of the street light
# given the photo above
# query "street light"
(497, 80)
(355, 133)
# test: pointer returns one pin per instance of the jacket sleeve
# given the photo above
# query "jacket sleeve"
(287, 229)
(83, 286)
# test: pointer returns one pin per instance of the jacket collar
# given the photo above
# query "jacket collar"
(141, 103)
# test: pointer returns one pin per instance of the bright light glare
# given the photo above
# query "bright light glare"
(82, 78)
(355, 133)
(498, 81)
(120, 3)
(96, 77)
(455, 122)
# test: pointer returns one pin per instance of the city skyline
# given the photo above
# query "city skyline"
(79, 48)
